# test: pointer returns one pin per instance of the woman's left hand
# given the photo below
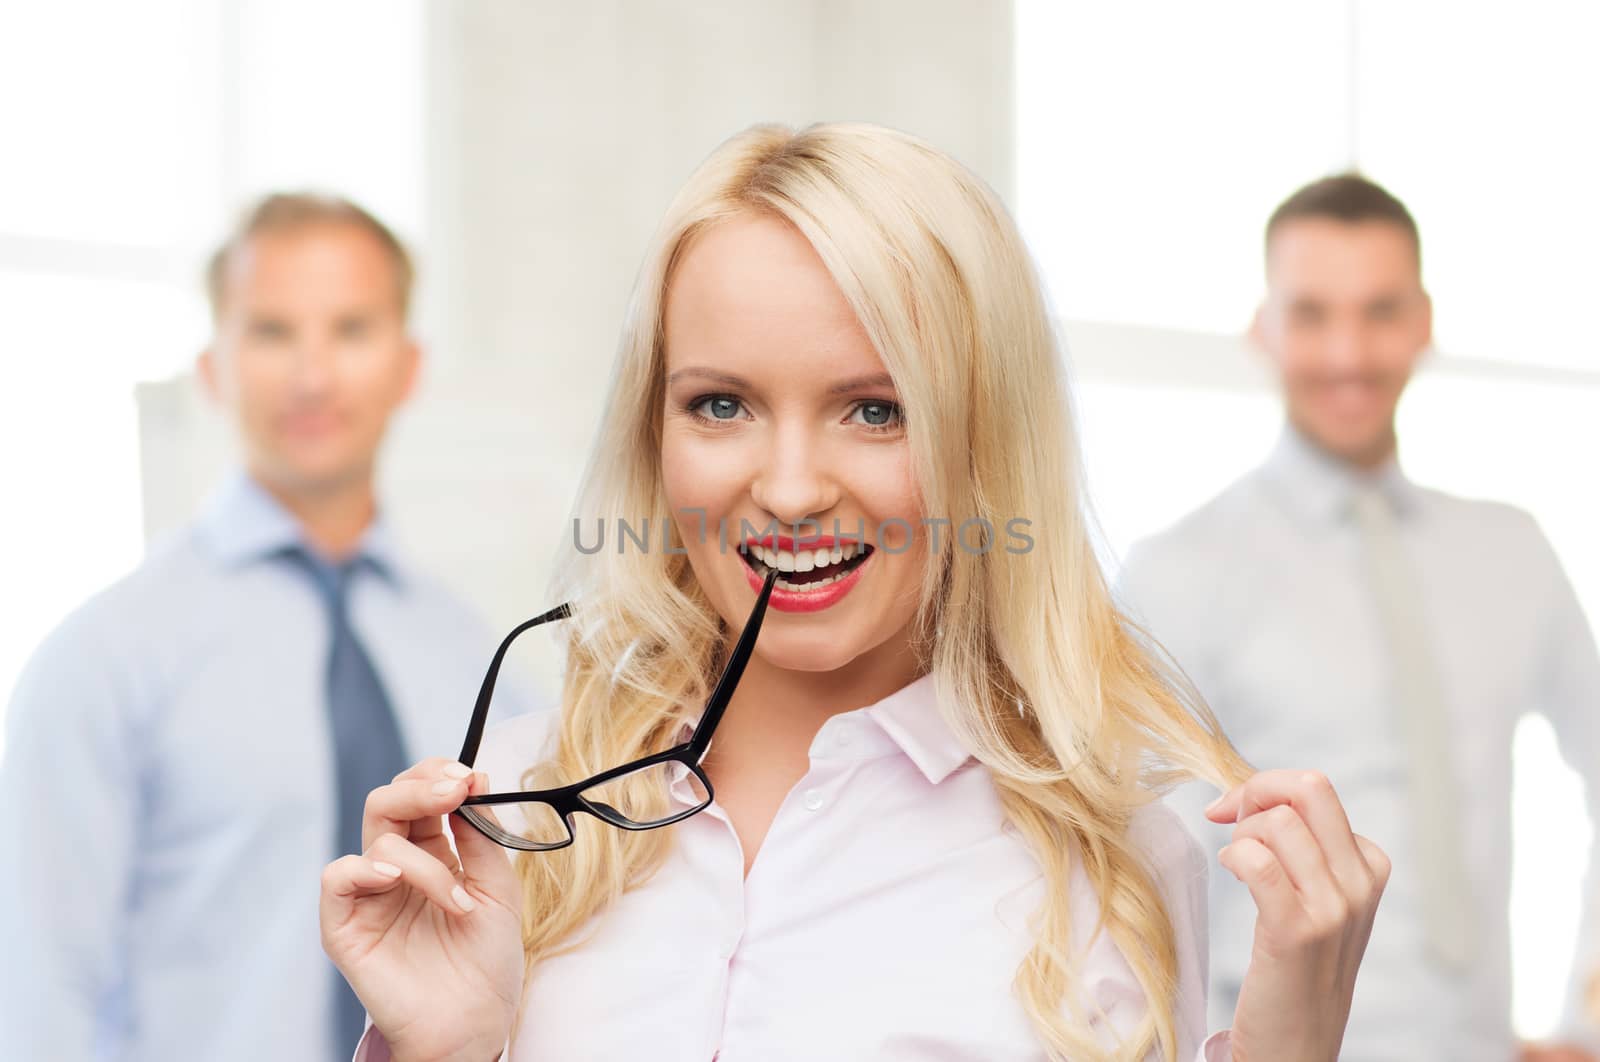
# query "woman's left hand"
(1316, 886)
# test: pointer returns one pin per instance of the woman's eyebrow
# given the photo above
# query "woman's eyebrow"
(862, 383)
(726, 378)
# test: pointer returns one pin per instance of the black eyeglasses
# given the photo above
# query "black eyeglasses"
(630, 797)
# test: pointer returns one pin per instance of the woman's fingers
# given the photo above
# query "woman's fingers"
(349, 879)
(422, 872)
(1312, 797)
(431, 767)
(1377, 859)
(1283, 833)
(413, 807)
(1254, 864)
(483, 861)
(1301, 849)
(391, 862)
(353, 875)
(413, 804)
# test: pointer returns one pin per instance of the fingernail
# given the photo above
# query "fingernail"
(456, 770)
(445, 785)
(463, 901)
(388, 870)
(1214, 805)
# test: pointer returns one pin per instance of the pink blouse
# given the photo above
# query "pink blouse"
(884, 918)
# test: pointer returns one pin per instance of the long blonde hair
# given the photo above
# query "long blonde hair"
(1056, 693)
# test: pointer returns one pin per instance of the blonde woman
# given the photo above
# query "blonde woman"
(927, 827)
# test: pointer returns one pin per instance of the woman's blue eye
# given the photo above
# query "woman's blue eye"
(879, 414)
(719, 407)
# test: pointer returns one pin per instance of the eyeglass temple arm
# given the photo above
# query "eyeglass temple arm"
(480, 711)
(732, 673)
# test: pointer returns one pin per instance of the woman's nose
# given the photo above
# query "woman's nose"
(795, 484)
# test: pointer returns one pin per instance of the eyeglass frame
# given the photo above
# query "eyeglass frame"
(567, 800)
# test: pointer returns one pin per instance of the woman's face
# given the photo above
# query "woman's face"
(782, 428)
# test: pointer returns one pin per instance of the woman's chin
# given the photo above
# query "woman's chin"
(809, 658)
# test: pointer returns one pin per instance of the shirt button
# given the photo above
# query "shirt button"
(813, 799)
(843, 740)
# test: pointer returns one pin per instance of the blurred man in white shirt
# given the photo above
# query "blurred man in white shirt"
(1337, 616)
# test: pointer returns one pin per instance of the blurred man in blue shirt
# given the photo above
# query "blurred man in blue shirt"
(189, 748)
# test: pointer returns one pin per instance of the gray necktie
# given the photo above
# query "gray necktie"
(368, 750)
(1425, 731)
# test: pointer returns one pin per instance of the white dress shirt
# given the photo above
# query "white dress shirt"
(884, 918)
(1263, 597)
(169, 778)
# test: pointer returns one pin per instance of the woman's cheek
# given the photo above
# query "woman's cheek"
(678, 459)
(892, 502)
(698, 510)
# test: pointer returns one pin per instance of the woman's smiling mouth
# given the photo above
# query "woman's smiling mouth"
(817, 571)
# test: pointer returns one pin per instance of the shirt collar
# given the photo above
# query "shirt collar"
(912, 718)
(910, 721)
(242, 522)
(1321, 487)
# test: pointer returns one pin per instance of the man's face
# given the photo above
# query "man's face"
(311, 354)
(1345, 322)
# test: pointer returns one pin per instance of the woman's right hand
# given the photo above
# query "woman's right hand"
(435, 953)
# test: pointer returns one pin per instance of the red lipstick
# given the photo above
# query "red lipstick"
(812, 599)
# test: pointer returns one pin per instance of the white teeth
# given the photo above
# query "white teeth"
(807, 587)
(805, 561)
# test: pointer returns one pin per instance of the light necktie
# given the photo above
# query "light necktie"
(368, 750)
(1425, 731)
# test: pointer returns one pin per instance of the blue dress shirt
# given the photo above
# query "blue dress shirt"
(169, 782)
